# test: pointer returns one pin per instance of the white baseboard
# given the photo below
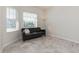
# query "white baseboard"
(62, 37)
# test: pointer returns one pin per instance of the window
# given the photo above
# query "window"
(12, 23)
(29, 20)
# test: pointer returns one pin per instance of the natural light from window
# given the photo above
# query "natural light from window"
(29, 20)
(12, 22)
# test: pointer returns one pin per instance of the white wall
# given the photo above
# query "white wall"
(1, 28)
(16, 35)
(64, 22)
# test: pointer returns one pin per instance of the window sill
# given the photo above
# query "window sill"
(11, 30)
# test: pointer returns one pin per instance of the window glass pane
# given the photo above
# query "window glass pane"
(30, 20)
(12, 23)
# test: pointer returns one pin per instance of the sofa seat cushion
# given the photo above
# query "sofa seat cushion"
(34, 33)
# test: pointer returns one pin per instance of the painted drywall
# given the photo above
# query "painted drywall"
(64, 22)
(10, 37)
(1, 28)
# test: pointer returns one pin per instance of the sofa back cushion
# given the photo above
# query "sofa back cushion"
(32, 29)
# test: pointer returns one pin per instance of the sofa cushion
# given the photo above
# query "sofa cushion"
(34, 30)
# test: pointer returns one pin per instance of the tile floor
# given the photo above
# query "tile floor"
(43, 45)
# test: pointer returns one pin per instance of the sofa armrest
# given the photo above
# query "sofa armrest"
(44, 31)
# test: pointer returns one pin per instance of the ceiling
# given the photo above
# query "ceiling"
(43, 7)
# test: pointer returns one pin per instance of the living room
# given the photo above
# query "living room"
(60, 25)
(9, 36)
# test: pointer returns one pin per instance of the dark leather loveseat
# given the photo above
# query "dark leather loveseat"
(34, 33)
